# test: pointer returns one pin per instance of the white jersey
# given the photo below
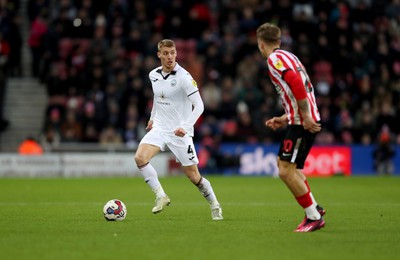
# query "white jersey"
(175, 94)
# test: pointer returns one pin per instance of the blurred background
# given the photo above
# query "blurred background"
(74, 79)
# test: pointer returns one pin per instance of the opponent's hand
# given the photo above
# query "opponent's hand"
(310, 125)
(180, 132)
(276, 122)
(149, 125)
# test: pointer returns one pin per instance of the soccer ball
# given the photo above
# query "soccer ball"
(115, 210)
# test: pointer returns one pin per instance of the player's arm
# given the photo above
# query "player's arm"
(193, 94)
(277, 122)
(198, 108)
(296, 84)
(152, 115)
(308, 122)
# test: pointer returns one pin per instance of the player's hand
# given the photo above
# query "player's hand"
(310, 125)
(276, 122)
(149, 125)
(180, 132)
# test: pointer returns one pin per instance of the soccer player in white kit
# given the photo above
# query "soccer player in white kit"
(177, 105)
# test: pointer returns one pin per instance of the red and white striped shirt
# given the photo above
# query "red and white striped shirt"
(278, 62)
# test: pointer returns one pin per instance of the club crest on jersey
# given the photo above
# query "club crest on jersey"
(194, 83)
(173, 83)
(278, 64)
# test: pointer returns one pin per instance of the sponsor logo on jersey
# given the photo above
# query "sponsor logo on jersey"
(194, 83)
(278, 64)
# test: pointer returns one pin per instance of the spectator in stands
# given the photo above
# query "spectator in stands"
(229, 132)
(71, 128)
(50, 138)
(110, 136)
(39, 28)
(4, 54)
(130, 133)
(15, 41)
(332, 39)
(90, 134)
(384, 153)
(54, 120)
(246, 130)
(30, 147)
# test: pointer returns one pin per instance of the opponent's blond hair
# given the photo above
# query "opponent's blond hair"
(165, 43)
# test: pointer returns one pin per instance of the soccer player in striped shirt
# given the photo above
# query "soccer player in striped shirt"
(301, 120)
(177, 105)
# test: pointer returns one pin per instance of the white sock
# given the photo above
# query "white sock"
(151, 178)
(313, 200)
(312, 212)
(207, 191)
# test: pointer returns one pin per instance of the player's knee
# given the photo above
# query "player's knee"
(285, 170)
(140, 159)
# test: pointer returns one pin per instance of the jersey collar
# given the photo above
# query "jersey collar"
(173, 72)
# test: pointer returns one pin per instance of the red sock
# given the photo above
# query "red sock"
(305, 200)
(308, 186)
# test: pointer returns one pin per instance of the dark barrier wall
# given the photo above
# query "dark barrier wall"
(322, 161)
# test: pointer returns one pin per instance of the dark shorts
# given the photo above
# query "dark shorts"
(296, 145)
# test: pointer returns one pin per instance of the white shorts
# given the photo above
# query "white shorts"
(181, 147)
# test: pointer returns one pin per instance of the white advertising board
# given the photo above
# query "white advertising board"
(77, 165)
(13, 165)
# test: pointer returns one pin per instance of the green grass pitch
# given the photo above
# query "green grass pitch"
(62, 219)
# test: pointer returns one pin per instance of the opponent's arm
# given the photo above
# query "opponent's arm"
(198, 108)
(152, 115)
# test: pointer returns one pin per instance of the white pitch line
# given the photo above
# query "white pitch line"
(44, 203)
(177, 203)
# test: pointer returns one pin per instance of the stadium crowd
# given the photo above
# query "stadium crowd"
(10, 48)
(95, 56)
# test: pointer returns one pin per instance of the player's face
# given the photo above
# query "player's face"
(167, 55)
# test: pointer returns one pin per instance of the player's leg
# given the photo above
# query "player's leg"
(304, 149)
(148, 148)
(292, 154)
(204, 186)
(184, 150)
(304, 178)
(289, 175)
(320, 209)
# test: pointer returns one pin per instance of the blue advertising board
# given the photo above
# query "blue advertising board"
(256, 159)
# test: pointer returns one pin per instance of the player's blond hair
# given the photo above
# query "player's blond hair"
(165, 43)
(269, 33)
